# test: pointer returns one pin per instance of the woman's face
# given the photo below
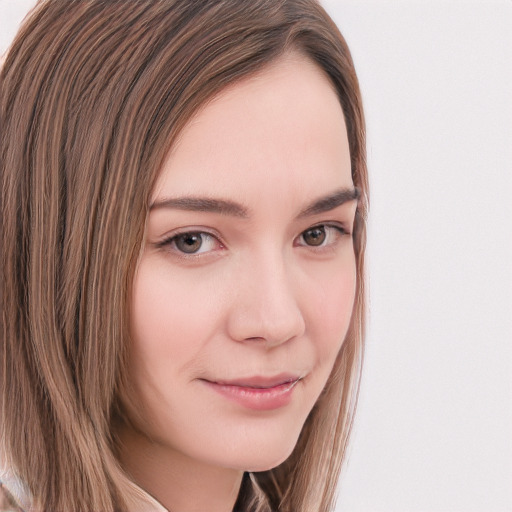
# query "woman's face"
(244, 291)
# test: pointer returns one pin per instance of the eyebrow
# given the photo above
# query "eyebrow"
(232, 208)
(330, 202)
(203, 204)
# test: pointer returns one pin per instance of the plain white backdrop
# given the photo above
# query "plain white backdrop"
(434, 425)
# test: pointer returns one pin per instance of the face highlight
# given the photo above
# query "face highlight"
(244, 291)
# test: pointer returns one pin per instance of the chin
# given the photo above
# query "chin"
(265, 455)
(267, 464)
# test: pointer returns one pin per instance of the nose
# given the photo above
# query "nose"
(266, 307)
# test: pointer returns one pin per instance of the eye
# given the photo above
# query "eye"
(314, 236)
(321, 236)
(192, 243)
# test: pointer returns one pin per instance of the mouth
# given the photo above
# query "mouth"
(260, 382)
(257, 393)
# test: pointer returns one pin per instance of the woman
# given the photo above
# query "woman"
(184, 195)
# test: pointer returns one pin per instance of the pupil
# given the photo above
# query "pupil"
(189, 242)
(315, 236)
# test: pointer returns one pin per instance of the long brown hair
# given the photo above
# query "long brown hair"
(92, 95)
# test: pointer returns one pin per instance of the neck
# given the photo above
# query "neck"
(178, 482)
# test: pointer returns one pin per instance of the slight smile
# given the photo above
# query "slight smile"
(257, 393)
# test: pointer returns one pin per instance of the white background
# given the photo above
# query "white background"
(434, 426)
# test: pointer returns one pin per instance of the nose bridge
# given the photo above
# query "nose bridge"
(266, 307)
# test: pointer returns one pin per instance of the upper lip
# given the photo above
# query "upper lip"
(259, 381)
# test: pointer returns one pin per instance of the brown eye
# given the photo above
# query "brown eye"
(314, 236)
(189, 243)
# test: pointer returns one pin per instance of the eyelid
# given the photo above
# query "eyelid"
(168, 240)
(340, 227)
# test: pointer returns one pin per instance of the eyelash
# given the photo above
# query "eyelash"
(171, 241)
(326, 228)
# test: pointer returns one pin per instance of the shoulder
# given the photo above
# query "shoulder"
(7, 502)
(14, 496)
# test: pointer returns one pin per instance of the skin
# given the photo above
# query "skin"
(256, 299)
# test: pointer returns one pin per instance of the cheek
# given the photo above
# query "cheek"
(331, 301)
(167, 339)
(165, 312)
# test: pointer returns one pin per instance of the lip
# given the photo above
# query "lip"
(258, 393)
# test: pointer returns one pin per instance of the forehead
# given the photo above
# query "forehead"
(279, 130)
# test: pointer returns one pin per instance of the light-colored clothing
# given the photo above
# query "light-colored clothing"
(15, 498)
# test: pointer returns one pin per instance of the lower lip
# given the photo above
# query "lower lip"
(258, 399)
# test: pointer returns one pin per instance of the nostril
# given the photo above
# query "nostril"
(265, 307)
(257, 326)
